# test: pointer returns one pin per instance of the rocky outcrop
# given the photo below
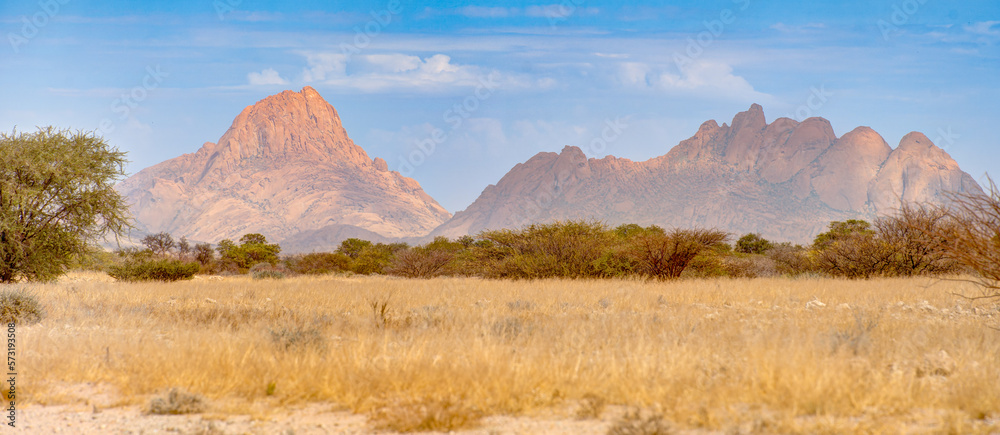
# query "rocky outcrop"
(285, 166)
(786, 180)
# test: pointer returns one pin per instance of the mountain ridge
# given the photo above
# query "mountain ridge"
(785, 180)
(287, 168)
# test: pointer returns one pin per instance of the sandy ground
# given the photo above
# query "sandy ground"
(309, 420)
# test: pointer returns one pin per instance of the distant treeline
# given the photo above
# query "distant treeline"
(916, 241)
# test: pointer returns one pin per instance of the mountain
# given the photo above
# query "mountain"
(785, 180)
(286, 169)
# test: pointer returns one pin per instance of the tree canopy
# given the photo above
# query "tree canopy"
(253, 249)
(57, 197)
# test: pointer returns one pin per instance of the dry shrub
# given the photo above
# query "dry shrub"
(665, 254)
(177, 402)
(508, 328)
(859, 255)
(916, 237)
(749, 266)
(912, 242)
(856, 338)
(590, 407)
(420, 263)
(429, 414)
(298, 337)
(975, 238)
(268, 271)
(232, 316)
(790, 260)
(319, 263)
(635, 423)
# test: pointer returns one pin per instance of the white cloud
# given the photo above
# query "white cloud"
(389, 63)
(984, 28)
(558, 11)
(266, 77)
(633, 74)
(613, 55)
(323, 64)
(396, 71)
(486, 12)
(550, 11)
(802, 28)
(701, 77)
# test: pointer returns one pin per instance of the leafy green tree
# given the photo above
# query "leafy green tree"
(258, 250)
(57, 198)
(352, 247)
(753, 243)
(253, 249)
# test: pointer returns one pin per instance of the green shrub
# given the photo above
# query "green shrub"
(253, 249)
(707, 264)
(352, 247)
(571, 249)
(374, 259)
(153, 270)
(20, 307)
(841, 230)
(753, 244)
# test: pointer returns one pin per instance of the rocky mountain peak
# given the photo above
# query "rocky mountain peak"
(286, 165)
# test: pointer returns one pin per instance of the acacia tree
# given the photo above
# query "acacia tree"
(57, 196)
(159, 243)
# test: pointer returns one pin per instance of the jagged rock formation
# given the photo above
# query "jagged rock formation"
(785, 180)
(285, 166)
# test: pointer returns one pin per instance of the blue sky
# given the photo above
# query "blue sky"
(456, 93)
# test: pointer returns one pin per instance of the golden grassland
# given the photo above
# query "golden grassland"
(780, 355)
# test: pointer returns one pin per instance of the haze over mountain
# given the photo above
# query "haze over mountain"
(786, 180)
(285, 166)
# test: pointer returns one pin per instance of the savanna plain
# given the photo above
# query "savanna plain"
(357, 354)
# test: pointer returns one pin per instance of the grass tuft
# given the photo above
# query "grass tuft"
(425, 415)
(177, 402)
(20, 306)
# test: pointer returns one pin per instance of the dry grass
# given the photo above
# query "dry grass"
(773, 355)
